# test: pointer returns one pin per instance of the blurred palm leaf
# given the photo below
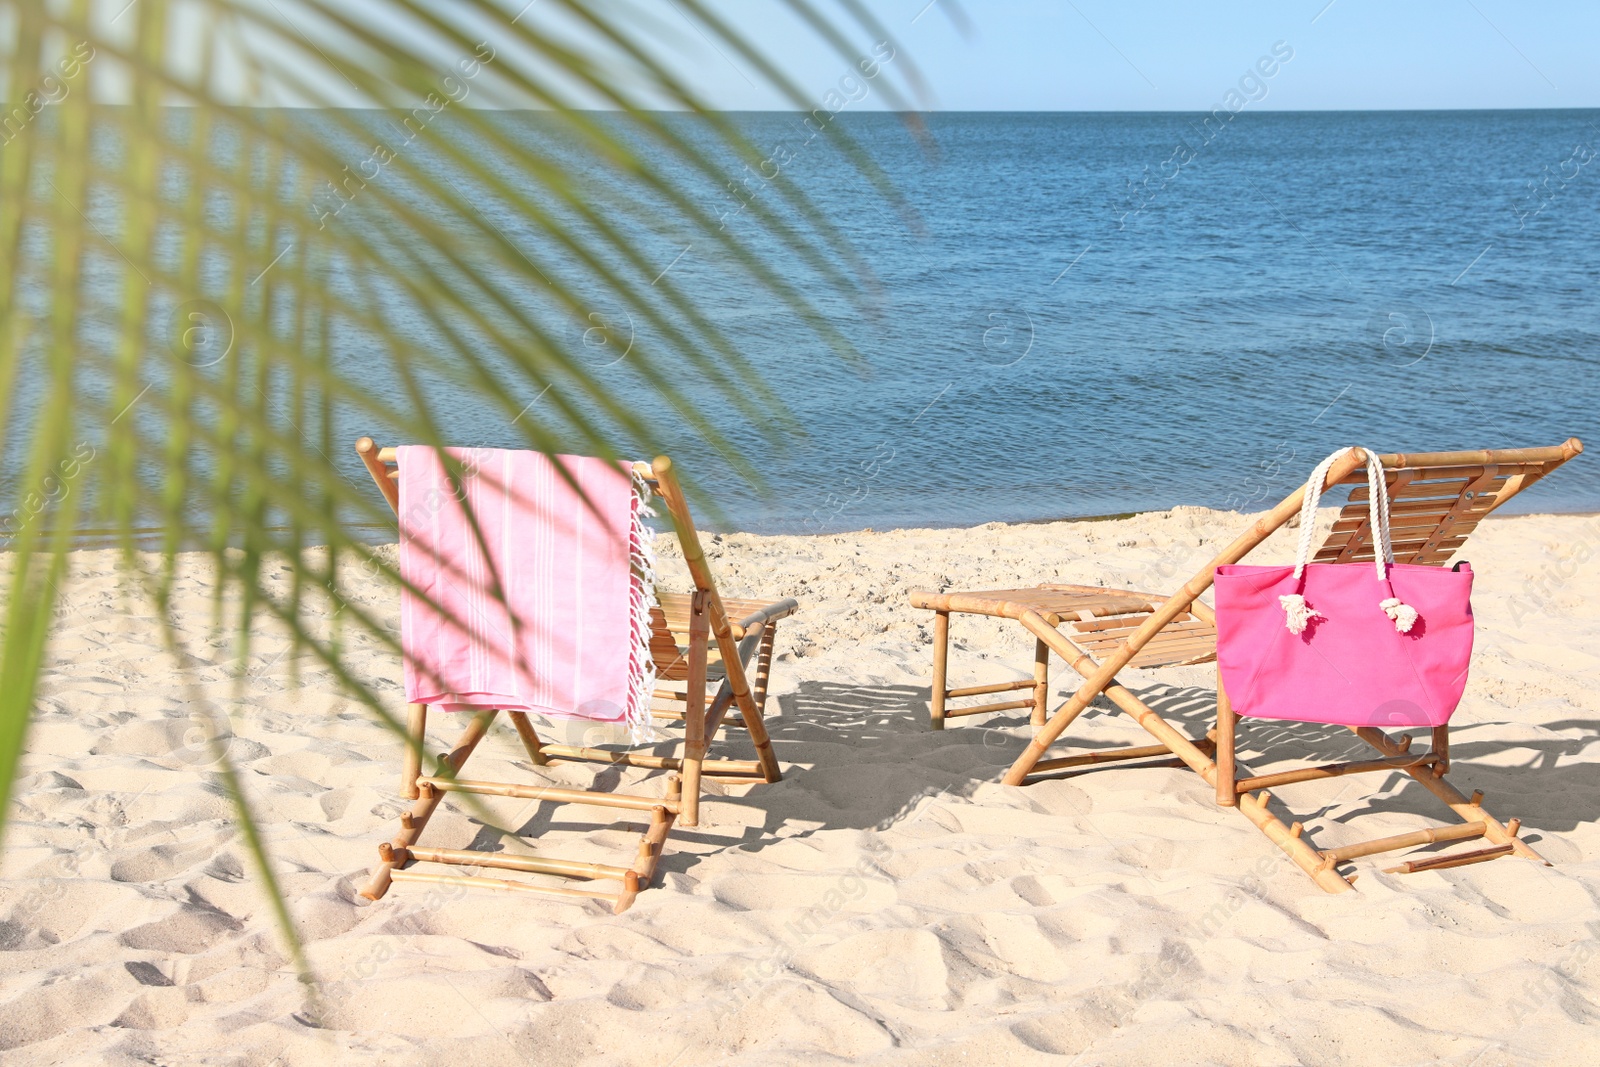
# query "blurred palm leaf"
(201, 301)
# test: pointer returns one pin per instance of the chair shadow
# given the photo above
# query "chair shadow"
(1543, 793)
(814, 731)
(818, 719)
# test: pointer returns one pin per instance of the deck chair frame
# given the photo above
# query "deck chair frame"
(1429, 526)
(709, 633)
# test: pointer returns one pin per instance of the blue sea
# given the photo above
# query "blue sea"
(1072, 325)
(1064, 320)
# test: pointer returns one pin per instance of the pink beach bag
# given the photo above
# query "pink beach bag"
(1342, 643)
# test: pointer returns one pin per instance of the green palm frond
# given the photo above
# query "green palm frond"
(201, 296)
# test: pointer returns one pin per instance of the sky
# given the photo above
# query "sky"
(1064, 55)
(1104, 55)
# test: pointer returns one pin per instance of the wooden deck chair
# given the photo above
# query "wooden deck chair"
(697, 639)
(1437, 500)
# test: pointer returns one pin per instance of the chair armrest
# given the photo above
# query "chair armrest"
(778, 609)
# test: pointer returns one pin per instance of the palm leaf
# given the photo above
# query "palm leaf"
(201, 296)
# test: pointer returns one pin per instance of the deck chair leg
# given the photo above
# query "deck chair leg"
(695, 710)
(1441, 748)
(769, 633)
(530, 737)
(416, 731)
(1041, 683)
(750, 717)
(651, 845)
(1467, 809)
(723, 702)
(1227, 729)
(762, 637)
(941, 655)
(756, 726)
(414, 821)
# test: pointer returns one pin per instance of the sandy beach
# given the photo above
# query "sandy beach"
(887, 902)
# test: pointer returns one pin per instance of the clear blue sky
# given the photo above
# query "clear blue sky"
(1132, 55)
(1107, 55)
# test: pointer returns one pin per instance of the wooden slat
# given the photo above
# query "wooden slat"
(1116, 637)
(678, 716)
(1460, 859)
(670, 661)
(559, 753)
(502, 883)
(1121, 633)
(1008, 705)
(1429, 836)
(1416, 491)
(1110, 599)
(537, 792)
(1333, 770)
(1146, 663)
(983, 690)
(1164, 655)
(1191, 661)
(1157, 662)
(1400, 524)
(1198, 631)
(1409, 539)
(1421, 507)
(1410, 544)
(1161, 650)
(1403, 552)
(1120, 621)
(508, 861)
(1180, 645)
(1114, 755)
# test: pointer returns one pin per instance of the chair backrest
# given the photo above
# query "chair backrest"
(1436, 500)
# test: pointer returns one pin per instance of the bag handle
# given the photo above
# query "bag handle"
(1297, 612)
(1377, 511)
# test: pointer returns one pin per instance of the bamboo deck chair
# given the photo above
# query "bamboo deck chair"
(1437, 500)
(697, 639)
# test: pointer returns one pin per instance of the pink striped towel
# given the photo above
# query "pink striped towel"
(570, 636)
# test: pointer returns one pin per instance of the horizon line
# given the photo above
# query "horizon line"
(886, 111)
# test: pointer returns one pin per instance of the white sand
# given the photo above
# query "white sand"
(886, 902)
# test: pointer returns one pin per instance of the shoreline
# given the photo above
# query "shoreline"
(96, 540)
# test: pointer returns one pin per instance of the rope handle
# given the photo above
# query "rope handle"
(1298, 614)
(1377, 512)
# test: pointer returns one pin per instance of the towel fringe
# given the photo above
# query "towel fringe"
(641, 599)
